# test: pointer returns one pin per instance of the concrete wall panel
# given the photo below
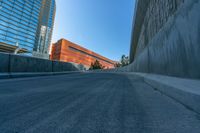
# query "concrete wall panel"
(20, 64)
(29, 64)
(150, 16)
(4, 62)
(175, 49)
(141, 63)
(63, 66)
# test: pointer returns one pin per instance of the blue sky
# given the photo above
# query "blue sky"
(103, 26)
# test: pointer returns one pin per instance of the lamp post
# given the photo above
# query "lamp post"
(17, 49)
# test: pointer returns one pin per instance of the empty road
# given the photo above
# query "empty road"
(90, 103)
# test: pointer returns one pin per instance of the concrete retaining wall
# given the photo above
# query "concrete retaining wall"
(150, 17)
(10, 63)
(175, 49)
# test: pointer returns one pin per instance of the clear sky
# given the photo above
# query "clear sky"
(103, 26)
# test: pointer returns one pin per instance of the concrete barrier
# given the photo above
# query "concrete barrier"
(63, 66)
(4, 63)
(12, 66)
(29, 64)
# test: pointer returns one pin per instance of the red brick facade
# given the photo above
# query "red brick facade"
(67, 51)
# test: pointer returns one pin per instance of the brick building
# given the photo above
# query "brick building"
(66, 51)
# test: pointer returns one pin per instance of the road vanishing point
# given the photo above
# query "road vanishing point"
(90, 103)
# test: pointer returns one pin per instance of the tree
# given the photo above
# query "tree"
(118, 64)
(123, 62)
(96, 65)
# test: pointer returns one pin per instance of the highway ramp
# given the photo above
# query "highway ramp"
(90, 103)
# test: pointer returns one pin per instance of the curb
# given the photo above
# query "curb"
(24, 75)
(187, 94)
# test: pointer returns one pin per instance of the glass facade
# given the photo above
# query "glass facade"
(45, 29)
(19, 22)
(28, 23)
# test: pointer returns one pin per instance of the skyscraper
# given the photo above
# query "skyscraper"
(27, 24)
(45, 28)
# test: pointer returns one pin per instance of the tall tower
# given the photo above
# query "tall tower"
(45, 29)
(27, 24)
(18, 24)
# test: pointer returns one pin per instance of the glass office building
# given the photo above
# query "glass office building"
(21, 22)
(44, 32)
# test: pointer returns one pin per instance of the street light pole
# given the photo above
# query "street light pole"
(17, 49)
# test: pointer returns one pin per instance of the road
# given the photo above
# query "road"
(90, 103)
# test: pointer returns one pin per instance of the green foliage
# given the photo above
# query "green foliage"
(96, 65)
(118, 64)
(123, 62)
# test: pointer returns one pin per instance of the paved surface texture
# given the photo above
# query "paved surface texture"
(90, 103)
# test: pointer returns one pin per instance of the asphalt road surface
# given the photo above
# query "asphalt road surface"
(90, 103)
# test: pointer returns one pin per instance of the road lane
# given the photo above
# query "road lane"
(90, 103)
